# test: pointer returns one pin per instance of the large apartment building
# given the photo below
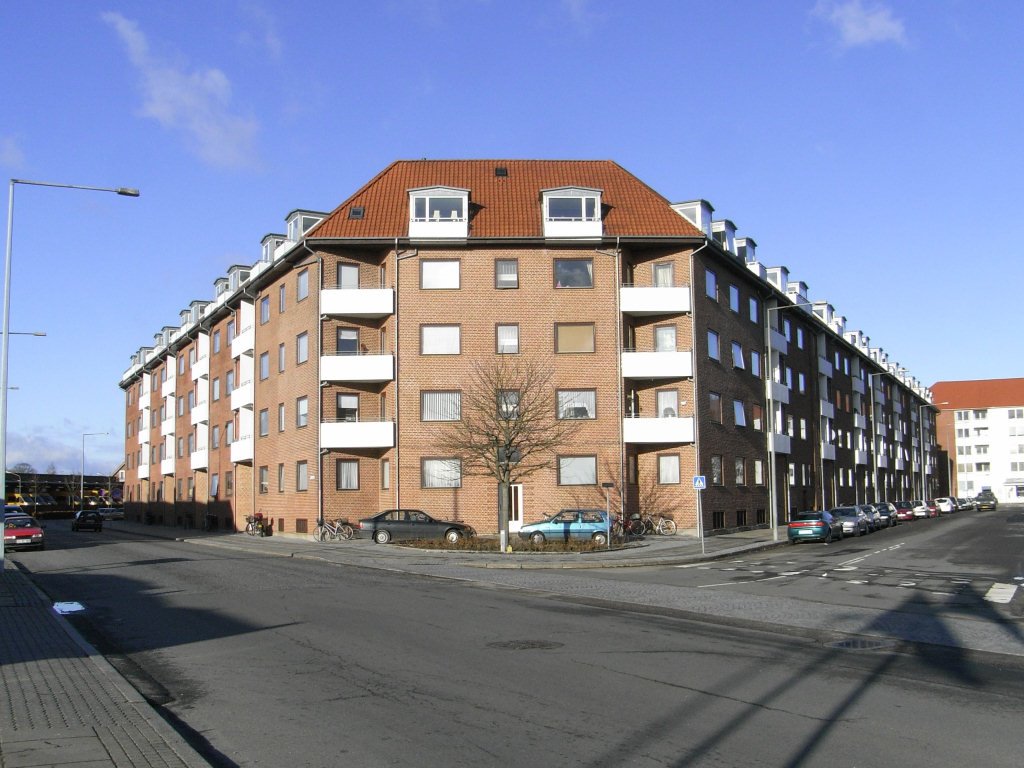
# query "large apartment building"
(321, 380)
(981, 427)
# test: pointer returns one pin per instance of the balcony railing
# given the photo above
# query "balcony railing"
(645, 430)
(357, 434)
(357, 302)
(242, 449)
(369, 368)
(244, 342)
(651, 300)
(673, 364)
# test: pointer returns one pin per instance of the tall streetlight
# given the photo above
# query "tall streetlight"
(920, 428)
(6, 334)
(770, 420)
(81, 496)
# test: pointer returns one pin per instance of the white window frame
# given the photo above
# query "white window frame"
(569, 403)
(440, 405)
(440, 339)
(577, 470)
(668, 469)
(441, 473)
(440, 274)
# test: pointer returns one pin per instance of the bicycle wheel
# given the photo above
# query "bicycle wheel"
(319, 533)
(667, 527)
(346, 531)
(250, 528)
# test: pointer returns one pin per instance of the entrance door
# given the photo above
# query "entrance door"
(515, 511)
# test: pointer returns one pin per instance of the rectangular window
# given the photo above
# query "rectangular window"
(668, 470)
(741, 477)
(264, 479)
(440, 406)
(301, 476)
(264, 366)
(755, 312)
(737, 355)
(348, 407)
(280, 357)
(506, 273)
(713, 351)
(264, 310)
(264, 422)
(758, 472)
(662, 275)
(800, 337)
(229, 483)
(667, 403)
(229, 382)
(348, 341)
(739, 413)
(711, 285)
(801, 384)
(348, 275)
(577, 470)
(229, 433)
(755, 363)
(441, 473)
(230, 332)
(716, 470)
(440, 339)
(215, 385)
(574, 273)
(571, 208)
(280, 417)
(757, 417)
(385, 474)
(508, 404)
(574, 337)
(715, 405)
(302, 285)
(280, 298)
(665, 338)
(216, 342)
(734, 299)
(439, 273)
(301, 411)
(280, 478)
(346, 474)
(576, 403)
(507, 339)
(215, 436)
(214, 485)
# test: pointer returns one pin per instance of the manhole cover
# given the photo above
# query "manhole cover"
(525, 645)
(861, 644)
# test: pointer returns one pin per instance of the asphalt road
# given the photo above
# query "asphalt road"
(287, 662)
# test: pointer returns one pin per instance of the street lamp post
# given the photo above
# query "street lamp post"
(5, 335)
(81, 495)
(920, 429)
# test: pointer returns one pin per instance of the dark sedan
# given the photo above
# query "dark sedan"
(87, 520)
(396, 524)
(814, 526)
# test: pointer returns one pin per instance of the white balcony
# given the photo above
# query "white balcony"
(372, 369)
(201, 368)
(778, 342)
(200, 413)
(242, 449)
(883, 462)
(244, 343)
(357, 434)
(242, 396)
(824, 367)
(827, 409)
(650, 430)
(861, 457)
(859, 387)
(900, 465)
(357, 302)
(897, 406)
(200, 459)
(828, 452)
(779, 392)
(167, 387)
(654, 301)
(167, 466)
(781, 443)
(144, 469)
(859, 421)
(880, 396)
(167, 427)
(657, 365)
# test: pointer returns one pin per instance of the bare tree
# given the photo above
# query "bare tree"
(509, 427)
(23, 468)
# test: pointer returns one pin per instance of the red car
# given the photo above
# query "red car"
(904, 511)
(23, 532)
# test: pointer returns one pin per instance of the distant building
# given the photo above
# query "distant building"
(981, 426)
(42, 493)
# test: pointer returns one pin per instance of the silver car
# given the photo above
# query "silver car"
(854, 520)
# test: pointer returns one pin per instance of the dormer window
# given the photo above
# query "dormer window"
(300, 222)
(438, 212)
(572, 212)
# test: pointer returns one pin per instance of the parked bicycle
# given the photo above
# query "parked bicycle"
(333, 530)
(257, 525)
(632, 526)
(663, 526)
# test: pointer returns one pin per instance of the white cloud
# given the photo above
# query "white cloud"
(196, 103)
(265, 33)
(859, 25)
(11, 155)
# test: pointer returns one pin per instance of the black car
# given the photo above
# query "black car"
(410, 524)
(985, 500)
(87, 520)
(888, 512)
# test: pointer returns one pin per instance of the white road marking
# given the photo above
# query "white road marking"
(731, 583)
(1001, 593)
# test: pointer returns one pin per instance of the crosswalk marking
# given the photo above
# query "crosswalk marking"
(1001, 593)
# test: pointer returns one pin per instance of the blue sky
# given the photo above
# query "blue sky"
(871, 147)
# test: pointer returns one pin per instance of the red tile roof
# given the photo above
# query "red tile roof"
(505, 206)
(981, 393)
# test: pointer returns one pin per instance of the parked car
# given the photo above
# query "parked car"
(854, 520)
(986, 500)
(948, 504)
(583, 524)
(904, 511)
(111, 513)
(888, 512)
(966, 505)
(920, 509)
(875, 522)
(87, 520)
(410, 524)
(23, 532)
(814, 526)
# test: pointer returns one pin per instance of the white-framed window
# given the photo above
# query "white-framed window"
(264, 366)
(755, 362)
(438, 212)
(662, 275)
(301, 411)
(668, 470)
(280, 417)
(667, 403)
(741, 471)
(800, 338)
(281, 292)
(302, 347)
(264, 310)
(439, 273)
(301, 476)
(713, 350)
(302, 285)
(558, 207)
(734, 299)
(755, 310)
(573, 273)
(665, 338)
(348, 407)
(214, 485)
(758, 472)
(739, 413)
(264, 479)
(348, 275)
(576, 403)
(440, 405)
(280, 478)
(280, 357)
(508, 404)
(264, 422)
(573, 338)
(737, 356)
(716, 471)
(506, 273)
(577, 470)
(385, 474)
(440, 339)
(441, 473)
(507, 339)
(347, 474)
(348, 341)
(711, 284)
(215, 389)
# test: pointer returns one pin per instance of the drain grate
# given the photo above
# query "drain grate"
(862, 644)
(525, 645)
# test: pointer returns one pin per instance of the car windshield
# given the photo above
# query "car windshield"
(807, 516)
(845, 511)
(20, 522)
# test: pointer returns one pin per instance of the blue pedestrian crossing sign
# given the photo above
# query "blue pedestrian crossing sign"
(699, 482)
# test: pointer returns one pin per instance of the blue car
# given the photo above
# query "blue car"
(583, 524)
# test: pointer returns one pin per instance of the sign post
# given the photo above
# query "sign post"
(699, 484)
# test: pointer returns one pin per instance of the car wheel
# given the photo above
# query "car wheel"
(600, 539)
(381, 536)
(537, 538)
(453, 536)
